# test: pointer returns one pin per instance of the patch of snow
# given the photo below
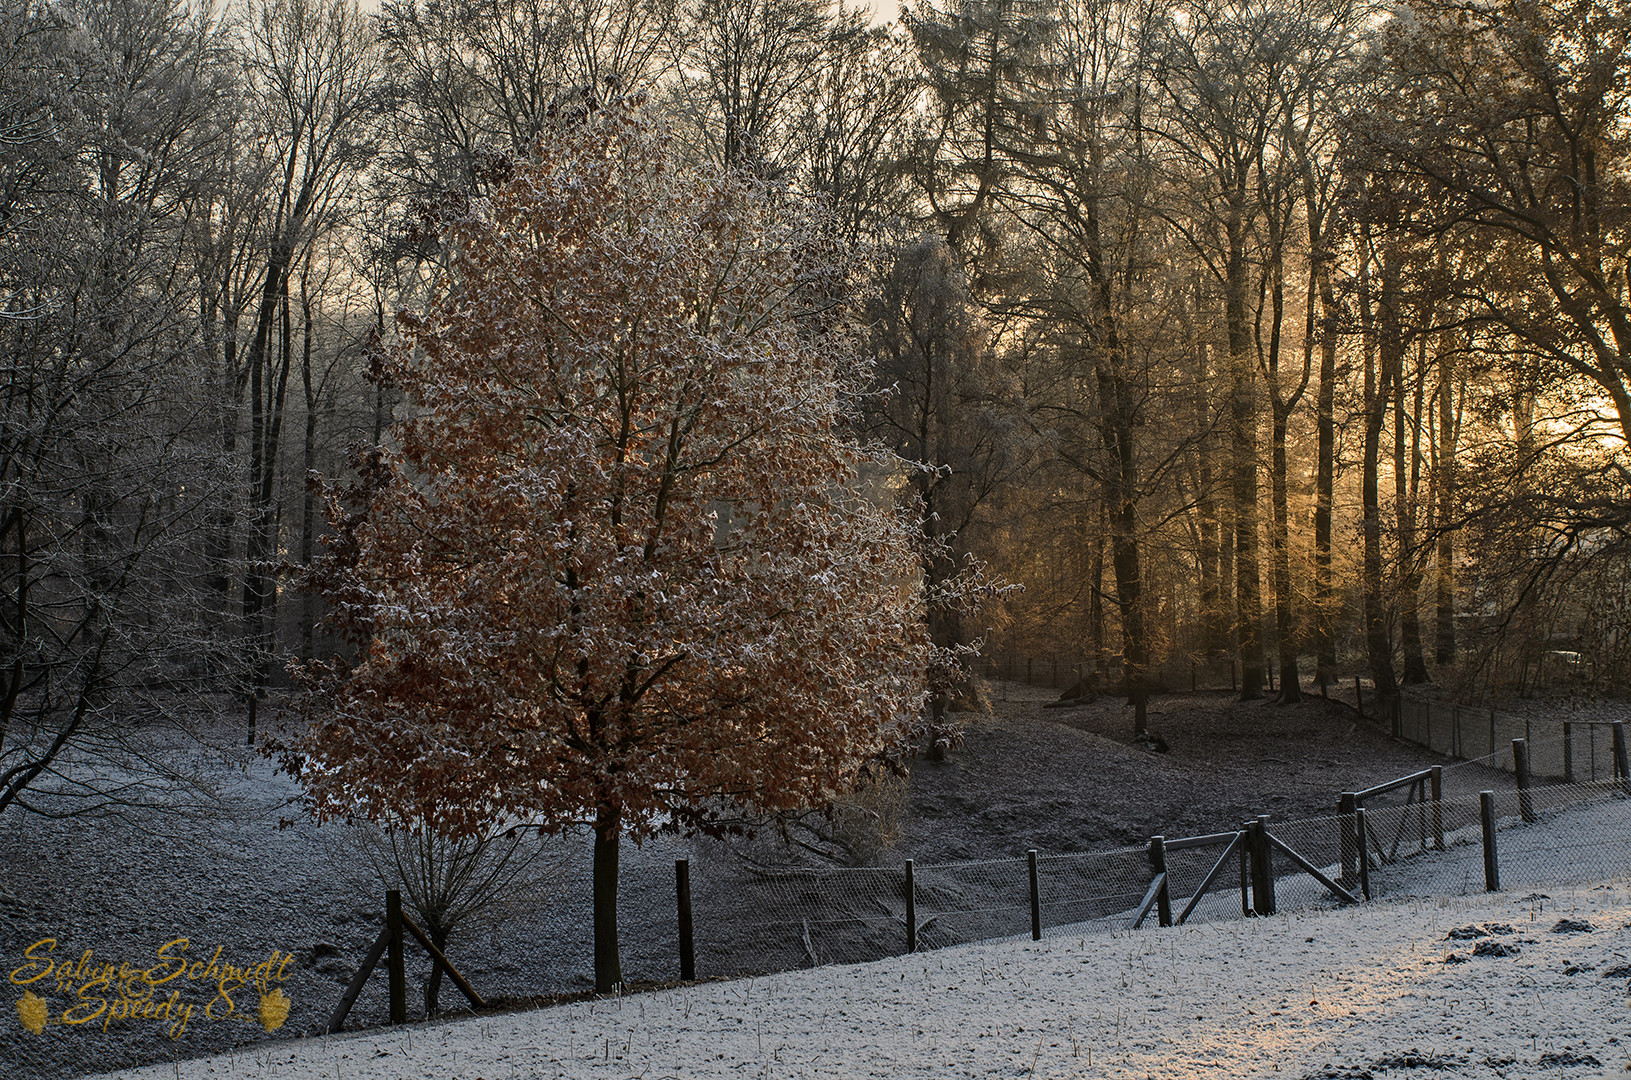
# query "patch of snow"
(1311, 994)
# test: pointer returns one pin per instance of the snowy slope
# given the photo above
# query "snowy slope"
(1321, 995)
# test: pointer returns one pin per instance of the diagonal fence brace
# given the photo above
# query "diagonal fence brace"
(1336, 890)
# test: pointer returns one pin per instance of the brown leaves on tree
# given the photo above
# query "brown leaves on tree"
(621, 555)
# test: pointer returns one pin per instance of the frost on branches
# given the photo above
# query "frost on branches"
(619, 562)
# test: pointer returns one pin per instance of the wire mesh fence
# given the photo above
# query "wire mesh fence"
(1563, 750)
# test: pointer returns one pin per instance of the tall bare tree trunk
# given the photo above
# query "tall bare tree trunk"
(1406, 474)
(1243, 467)
(1095, 601)
(308, 460)
(1281, 405)
(1325, 477)
(1449, 423)
(1214, 615)
(268, 387)
(1381, 332)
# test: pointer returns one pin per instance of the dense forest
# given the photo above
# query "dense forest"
(1292, 332)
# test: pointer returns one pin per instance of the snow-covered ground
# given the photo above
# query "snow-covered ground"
(1377, 991)
(1223, 998)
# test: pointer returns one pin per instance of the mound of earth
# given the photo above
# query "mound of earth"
(1065, 780)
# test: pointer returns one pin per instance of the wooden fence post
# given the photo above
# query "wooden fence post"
(1520, 769)
(682, 892)
(1036, 897)
(1437, 780)
(1622, 767)
(1262, 866)
(911, 909)
(394, 959)
(1362, 831)
(1486, 814)
(1348, 843)
(1158, 864)
(1245, 874)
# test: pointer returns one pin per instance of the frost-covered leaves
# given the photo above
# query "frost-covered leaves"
(617, 557)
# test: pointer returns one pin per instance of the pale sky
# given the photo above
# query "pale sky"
(885, 10)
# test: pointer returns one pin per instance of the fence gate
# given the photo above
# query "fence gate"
(1253, 846)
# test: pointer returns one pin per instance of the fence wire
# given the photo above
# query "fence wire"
(1561, 750)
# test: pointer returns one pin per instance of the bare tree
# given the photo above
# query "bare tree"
(451, 883)
(744, 68)
(312, 65)
(105, 467)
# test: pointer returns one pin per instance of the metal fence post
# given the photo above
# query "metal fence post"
(911, 910)
(1622, 768)
(1520, 769)
(1486, 813)
(1036, 897)
(1568, 752)
(682, 890)
(394, 959)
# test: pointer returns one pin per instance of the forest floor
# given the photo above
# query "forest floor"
(1073, 779)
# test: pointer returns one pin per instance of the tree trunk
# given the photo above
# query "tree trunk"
(1095, 603)
(1444, 583)
(265, 418)
(1214, 617)
(433, 985)
(608, 965)
(1378, 378)
(1124, 553)
(1281, 404)
(1284, 617)
(219, 541)
(308, 459)
(1243, 464)
(1406, 473)
(1325, 480)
